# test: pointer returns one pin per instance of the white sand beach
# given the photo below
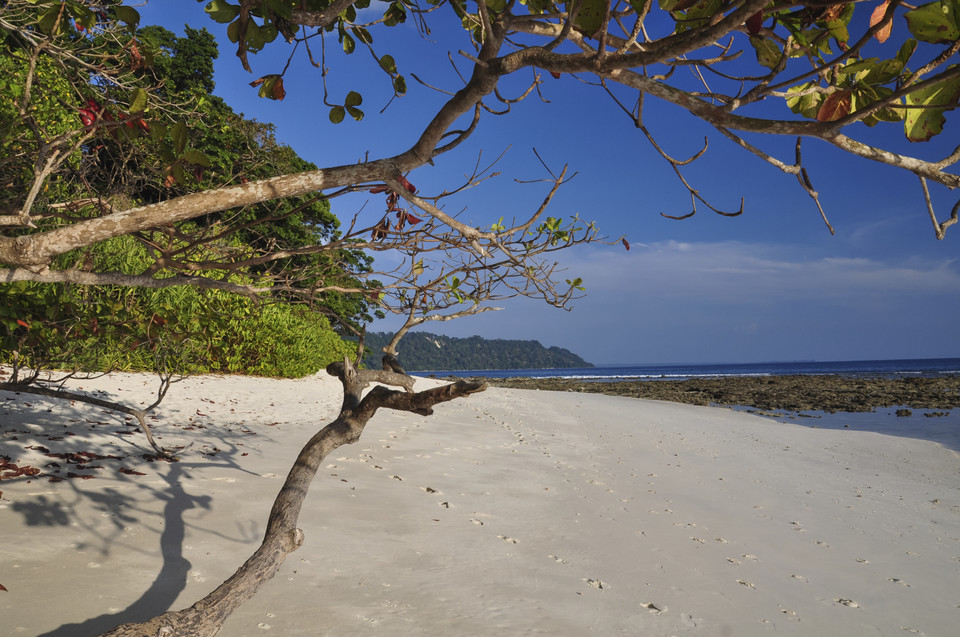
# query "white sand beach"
(507, 513)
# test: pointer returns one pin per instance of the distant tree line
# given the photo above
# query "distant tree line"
(423, 351)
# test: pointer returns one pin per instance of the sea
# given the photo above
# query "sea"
(938, 426)
(915, 367)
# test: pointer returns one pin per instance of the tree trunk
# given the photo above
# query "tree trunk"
(282, 537)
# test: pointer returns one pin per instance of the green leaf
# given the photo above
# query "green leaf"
(138, 100)
(400, 85)
(222, 11)
(921, 124)
(590, 17)
(179, 133)
(195, 157)
(128, 15)
(856, 66)
(266, 87)
(884, 72)
(698, 15)
(388, 64)
(355, 113)
(906, 50)
(838, 30)
(806, 105)
(337, 113)
(233, 31)
(348, 44)
(353, 99)
(363, 35)
(157, 131)
(936, 22)
(768, 53)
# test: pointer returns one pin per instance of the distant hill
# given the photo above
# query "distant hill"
(422, 351)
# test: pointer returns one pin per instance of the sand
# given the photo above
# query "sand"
(513, 512)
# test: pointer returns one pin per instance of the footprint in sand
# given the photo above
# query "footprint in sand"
(654, 608)
(746, 583)
(476, 521)
(558, 560)
(508, 539)
(897, 580)
(594, 582)
(800, 577)
(847, 602)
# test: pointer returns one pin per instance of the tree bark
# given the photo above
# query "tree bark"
(282, 537)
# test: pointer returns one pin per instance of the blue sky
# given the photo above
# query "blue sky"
(772, 284)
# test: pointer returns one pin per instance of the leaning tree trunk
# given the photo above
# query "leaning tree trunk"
(282, 537)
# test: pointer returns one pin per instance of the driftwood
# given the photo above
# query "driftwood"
(282, 537)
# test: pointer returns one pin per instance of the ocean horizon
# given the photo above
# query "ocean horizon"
(880, 368)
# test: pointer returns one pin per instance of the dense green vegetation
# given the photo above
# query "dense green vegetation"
(193, 330)
(422, 351)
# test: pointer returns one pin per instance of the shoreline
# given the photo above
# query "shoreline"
(790, 393)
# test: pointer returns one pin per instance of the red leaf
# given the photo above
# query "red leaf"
(836, 106)
(23, 323)
(278, 92)
(87, 118)
(406, 184)
(626, 244)
(2, 587)
(131, 472)
(755, 23)
(413, 220)
(555, 75)
(875, 19)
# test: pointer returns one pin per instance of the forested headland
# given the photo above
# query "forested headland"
(423, 351)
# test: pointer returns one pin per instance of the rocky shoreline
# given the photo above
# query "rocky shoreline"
(786, 393)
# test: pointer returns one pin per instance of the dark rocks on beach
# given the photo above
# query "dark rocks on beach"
(787, 393)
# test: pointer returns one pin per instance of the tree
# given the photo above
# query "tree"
(776, 69)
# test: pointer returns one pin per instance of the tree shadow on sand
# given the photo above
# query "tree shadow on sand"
(172, 577)
(83, 505)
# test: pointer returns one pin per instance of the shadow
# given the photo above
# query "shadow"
(172, 577)
(43, 512)
(39, 430)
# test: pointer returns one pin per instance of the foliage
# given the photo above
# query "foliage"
(426, 351)
(110, 327)
(194, 331)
